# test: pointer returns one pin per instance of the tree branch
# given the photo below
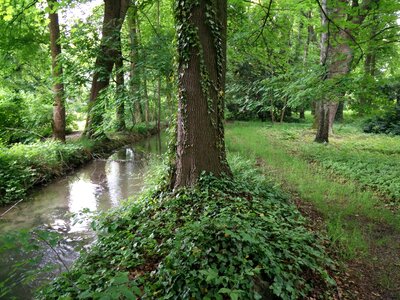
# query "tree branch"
(264, 20)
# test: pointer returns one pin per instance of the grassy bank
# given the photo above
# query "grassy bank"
(224, 239)
(24, 166)
(352, 182)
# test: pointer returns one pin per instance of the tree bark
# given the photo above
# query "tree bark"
(339, 113)
(336, 56)
(57, 73)
(120, 95)
(114, 15)
(133, 24)
(201, 67)
(323, 129)
(159, 74)
(321, 115)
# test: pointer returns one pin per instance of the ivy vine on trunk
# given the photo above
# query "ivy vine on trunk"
(201, 32)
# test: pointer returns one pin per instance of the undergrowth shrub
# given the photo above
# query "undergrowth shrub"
(23, 166)
(379, 171)
(223, 239)
(388, 124)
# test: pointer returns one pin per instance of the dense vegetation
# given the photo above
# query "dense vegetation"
(113, 71)
(223, 238)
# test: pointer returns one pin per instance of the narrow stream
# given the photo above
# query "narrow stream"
(98, 186)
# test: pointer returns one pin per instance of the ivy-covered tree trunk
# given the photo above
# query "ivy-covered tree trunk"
(57, 73)
(201, 27)
(114, 14)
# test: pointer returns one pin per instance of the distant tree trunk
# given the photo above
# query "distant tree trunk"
(336, 55)
(310, 36)
(169, 88)
(144, 113)
(146, 100)
(323, 117)
(120, 95)
(114, 14)
(301, 113)
(134, 55)
(369, 74)
(159, 73)
(321, 114)
(201, 69)
(332, 109)
(339, 113)
(57, 73)
(159, 103)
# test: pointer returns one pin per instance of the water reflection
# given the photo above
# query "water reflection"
(97, 186)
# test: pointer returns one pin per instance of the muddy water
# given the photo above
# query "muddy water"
(98, 186)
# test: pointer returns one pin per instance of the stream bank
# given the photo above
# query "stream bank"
(56, 209)
(25, 166)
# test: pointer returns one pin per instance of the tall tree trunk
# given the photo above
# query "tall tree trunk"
(120, 95)
(339, 114)
(159, 73)
(114, 14)
(57, 73)
(369, 72)
(159, 102)
(134, 55)
(336, 56)
(201, 68)
(336, 51)
(310, 34)
(323, 116)
(143, 114)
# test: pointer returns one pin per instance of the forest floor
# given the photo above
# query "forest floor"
(347, 189)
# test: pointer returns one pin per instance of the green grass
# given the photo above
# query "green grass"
(23, 166)
(293, 160)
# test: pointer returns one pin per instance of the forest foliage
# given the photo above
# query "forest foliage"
(273, 60)
(227, 241)
(120, 66)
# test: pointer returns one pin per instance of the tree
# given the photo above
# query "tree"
(134, 82)
(120, 94)
(337, 53)
(201, 30)
(114, 15)
(57, 72)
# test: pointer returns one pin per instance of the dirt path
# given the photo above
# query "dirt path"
(371, 277)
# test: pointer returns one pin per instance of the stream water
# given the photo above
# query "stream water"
(98, 186)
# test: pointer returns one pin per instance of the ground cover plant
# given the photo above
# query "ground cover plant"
(224, 239)
(372, 161)
(358, 220)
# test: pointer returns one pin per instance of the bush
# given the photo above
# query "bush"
(224, 239)
(388, 124)
(23, 166)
